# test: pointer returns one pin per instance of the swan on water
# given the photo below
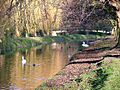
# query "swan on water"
(23, 60)
(85, 45)
(69, 56)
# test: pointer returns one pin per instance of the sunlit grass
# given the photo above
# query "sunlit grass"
(106, 77)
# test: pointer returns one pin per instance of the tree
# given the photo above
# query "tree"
(29, 16)
(116, 5)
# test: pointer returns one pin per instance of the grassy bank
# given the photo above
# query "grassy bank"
(13, 44)
(66, 38)
(105, 77)
(10, 45)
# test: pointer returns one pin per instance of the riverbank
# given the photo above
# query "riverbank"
(10, 45)
(103, 75)
(14, 44)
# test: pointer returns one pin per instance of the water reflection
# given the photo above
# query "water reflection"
(41, 63)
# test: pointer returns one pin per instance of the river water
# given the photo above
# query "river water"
(43, 62)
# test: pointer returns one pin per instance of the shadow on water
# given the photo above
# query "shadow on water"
(42, 63)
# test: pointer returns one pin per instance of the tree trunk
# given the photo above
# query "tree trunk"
(118, 29)
(116, 4)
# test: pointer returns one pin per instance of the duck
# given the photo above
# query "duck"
(69, 47)
(85, 45)
(34, 65)
(23, 60)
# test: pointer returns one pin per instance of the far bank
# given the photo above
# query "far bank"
(13, 44)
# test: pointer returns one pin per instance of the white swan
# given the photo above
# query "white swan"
(23, 60)
(85, 45)
(69, 56)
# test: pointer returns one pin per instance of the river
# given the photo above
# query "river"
(43, 62)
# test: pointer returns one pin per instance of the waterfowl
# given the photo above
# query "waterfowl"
(85, 45)
(69, 56)
(33, 64)
(54, 44)
(23, 60)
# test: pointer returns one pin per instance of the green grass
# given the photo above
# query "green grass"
(113, 81)
(69, 38)
(10, 45)
(106, 77)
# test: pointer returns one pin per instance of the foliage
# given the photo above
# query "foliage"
(30, 17)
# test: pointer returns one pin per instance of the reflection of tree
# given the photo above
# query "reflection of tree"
(5, 71)
(1, 60)
(48, 63)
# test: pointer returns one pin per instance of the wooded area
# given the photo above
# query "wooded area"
(30, 18)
